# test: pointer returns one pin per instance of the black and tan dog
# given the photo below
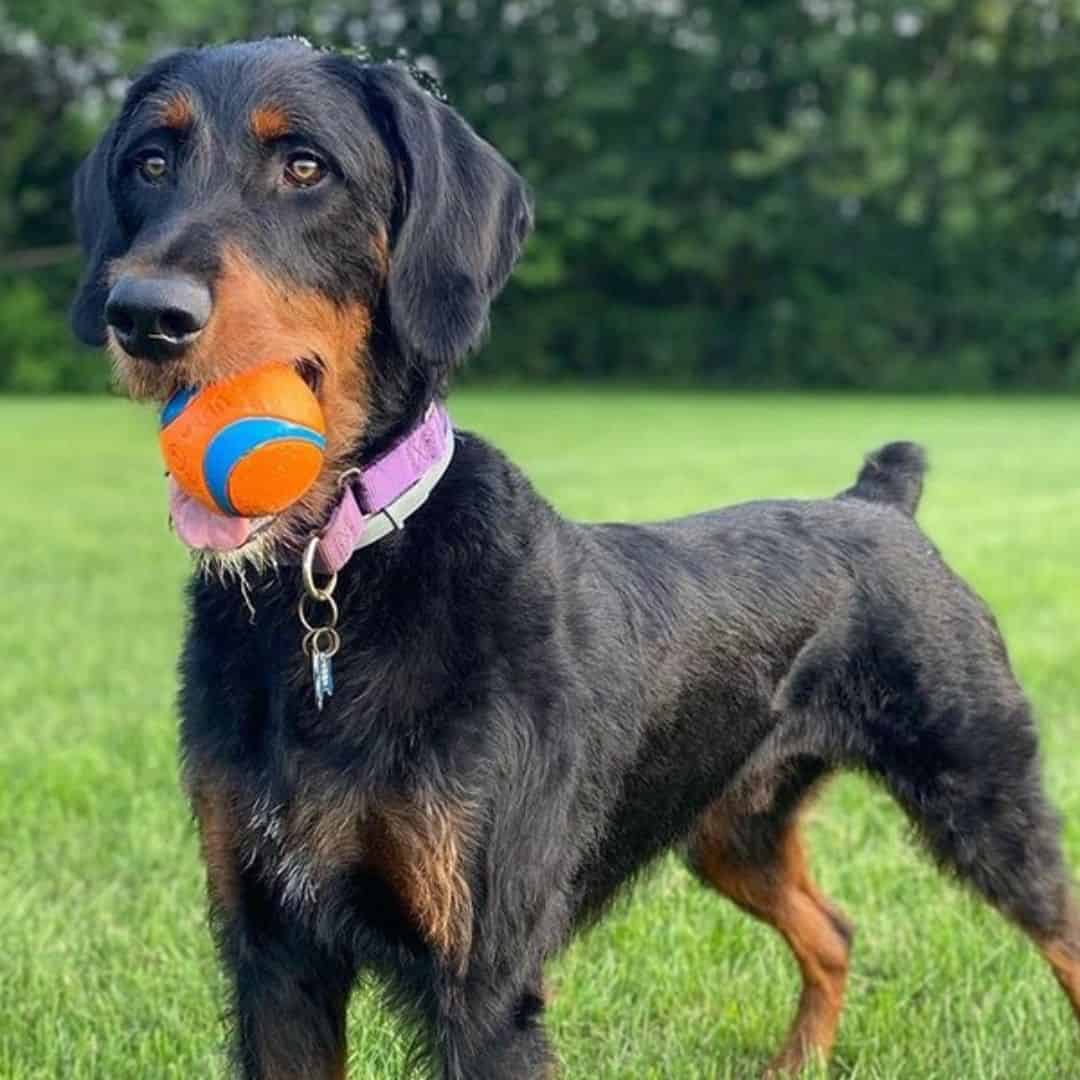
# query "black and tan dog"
(527, 711)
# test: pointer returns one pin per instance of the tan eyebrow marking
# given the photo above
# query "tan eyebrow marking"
(177, 112)
(269, 122)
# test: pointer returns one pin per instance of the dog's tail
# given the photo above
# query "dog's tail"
(892, 475)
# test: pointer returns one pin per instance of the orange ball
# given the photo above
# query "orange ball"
(246, 446)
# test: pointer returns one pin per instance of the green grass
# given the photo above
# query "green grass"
(106, 967)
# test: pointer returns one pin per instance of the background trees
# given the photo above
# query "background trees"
(843, 193)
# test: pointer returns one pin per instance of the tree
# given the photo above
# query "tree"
(861, 193)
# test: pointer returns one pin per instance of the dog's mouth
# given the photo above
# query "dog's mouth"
(203, 529)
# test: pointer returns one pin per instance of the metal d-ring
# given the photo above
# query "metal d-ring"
(307, 567)
(324, 640)
(347, 475)
(308, 625)
(320, 594)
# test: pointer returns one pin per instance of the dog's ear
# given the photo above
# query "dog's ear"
(464, 216)
(100, 237)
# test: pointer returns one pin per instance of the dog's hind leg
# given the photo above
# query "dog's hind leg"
(976, 796)
(757, 861)
(949, 733)
(1062, 952)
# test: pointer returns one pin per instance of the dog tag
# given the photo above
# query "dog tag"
(322, 675)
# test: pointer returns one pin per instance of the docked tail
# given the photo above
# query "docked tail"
(892, 475)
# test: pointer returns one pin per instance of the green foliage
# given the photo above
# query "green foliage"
(882, 193)
(36, 351)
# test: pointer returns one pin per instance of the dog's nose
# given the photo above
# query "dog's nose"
(157, 318)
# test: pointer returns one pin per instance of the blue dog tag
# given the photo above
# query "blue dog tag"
(322, 674)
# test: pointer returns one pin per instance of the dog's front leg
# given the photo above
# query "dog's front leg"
(289, 1003)
(493, 1035)
(289, 995)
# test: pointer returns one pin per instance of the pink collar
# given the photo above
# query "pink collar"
(377, 498)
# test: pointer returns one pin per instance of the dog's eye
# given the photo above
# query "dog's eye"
(152, 166)
(304, 170)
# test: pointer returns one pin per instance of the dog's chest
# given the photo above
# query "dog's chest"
(315, 850)
(291, 862)
(306, 845)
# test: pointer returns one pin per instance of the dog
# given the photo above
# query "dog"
(429, 728)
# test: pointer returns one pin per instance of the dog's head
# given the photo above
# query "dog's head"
(269, 201)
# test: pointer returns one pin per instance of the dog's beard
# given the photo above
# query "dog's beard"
(260, 556)
(244, 569)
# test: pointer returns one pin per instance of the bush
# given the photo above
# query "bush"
(37, 352)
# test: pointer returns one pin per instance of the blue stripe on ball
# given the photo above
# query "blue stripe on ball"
(176, 405)
(240, 438)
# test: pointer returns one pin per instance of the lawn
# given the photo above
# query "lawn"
(107, 970)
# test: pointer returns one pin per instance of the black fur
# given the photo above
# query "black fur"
(573, 700)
